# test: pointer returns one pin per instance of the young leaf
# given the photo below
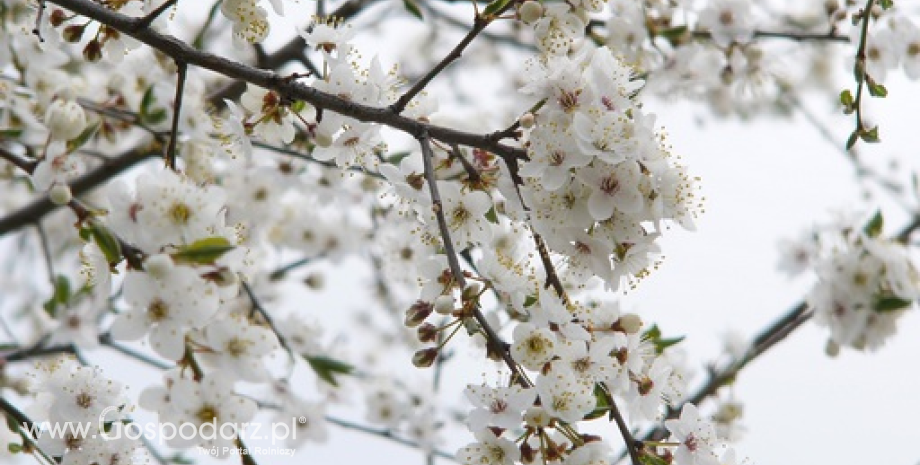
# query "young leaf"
(326, 368)
(148, 113)
(84, 136)
(889, 303)
(495, 7)
(851, 141)
(411, 7)
(107, 243)
(204, 251)
(874, 226)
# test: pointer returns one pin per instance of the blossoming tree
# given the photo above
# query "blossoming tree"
(178, 173)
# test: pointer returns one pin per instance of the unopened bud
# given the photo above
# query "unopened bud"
(472, 291)
(417, 313)
(528, 120)
(57, 17)
(323, 140)
(630, 323)
(425, 357)
(831, 6)
(444, 305)
(65, 119)
(93, 51)
(158, 265)
(73, 33)
(315, 281)
(60, 194)
(832, 349)
(530, 11)
(427, 332)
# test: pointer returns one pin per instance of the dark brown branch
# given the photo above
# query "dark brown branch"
(177, 109)
(766, 339)
(22, 163)
(494, 341)
(153, 15)
(181, 51)
(632, 446)
(42, 206)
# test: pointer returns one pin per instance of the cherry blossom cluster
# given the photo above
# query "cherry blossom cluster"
(75, 408)
(865, 281)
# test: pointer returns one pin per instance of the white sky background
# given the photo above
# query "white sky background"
(763, 180)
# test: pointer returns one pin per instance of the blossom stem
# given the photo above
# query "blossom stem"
(632, 445)
(494, 341)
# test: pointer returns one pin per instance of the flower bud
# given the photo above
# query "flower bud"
(444, 305)
(73, 33)
(630, 323)
(65, 119)
(472, 291)
(427, 332)
(57, 17)
(323, 140)
(528, 120)
(93, 51)
(314, 281)
(530, 11)
(158, 265)
(832, 349)
(60, 194)
(417, 313)
(425, 357)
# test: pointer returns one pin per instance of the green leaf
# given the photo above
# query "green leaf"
(654, 336)
(60, 296)
(10, 133)
(492, 216)
(14, 448)
(326, 368)
(870, 135)
(495, 7)
(602, 404)
(180, 459)
(846, 99)
(413, 8)
(84, 136)
(889, 303)
(673, 33)
(148, 113)
(398, 157)
(107, 243)
(204, 251)
(886, 4)
(530, 300)
(876, 89)
(651, 459)
(851, 141)
(874, 226)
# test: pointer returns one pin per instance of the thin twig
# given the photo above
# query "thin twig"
(479, 23)
(147, 20)
(493, 340)
(46, 253)
(177, 108)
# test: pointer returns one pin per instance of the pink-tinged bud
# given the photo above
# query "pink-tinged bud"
(57, 17)
(425, 357)
(427, 332)
(93, 51)
(417, 313)
(73, 33)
